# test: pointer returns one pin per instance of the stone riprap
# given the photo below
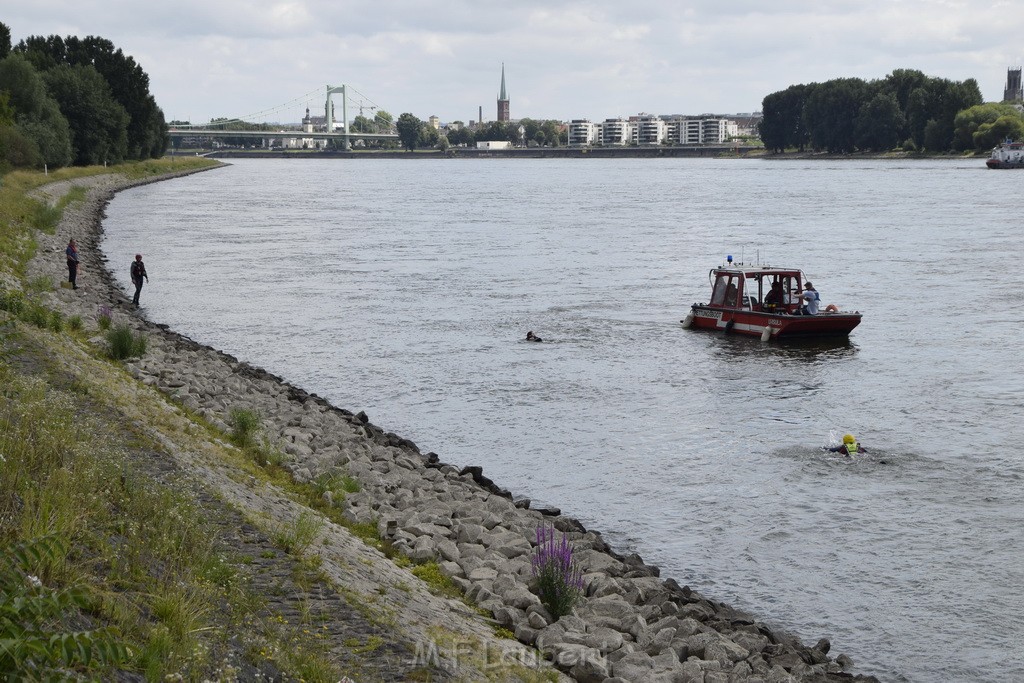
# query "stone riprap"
(632, 625)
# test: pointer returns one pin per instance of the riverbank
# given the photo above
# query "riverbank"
(632, 625)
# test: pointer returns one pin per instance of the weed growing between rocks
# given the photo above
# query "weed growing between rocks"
(559, 580)
(103, 318)
(123, 343)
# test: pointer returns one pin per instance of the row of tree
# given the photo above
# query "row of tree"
(413, 133)
(905, 109)
(71, 101)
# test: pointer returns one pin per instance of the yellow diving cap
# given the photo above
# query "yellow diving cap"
(849, 439)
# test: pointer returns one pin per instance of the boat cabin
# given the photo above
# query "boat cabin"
(768, 290)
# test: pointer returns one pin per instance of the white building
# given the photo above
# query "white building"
(648, 130)
(493, 144)
(582, 133)
(616, 132)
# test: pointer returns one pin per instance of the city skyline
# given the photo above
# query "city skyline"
(592, 60)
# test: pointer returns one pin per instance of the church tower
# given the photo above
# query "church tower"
(503, 98)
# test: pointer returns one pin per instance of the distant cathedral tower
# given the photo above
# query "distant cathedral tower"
(1012, 93)
(503, 98)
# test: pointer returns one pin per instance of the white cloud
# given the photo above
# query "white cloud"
(592, 59)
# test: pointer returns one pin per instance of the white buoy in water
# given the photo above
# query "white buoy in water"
(766, 333)
(688, 320)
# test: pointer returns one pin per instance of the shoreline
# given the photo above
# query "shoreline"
(632, 625)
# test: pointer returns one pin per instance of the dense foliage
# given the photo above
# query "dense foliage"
(413, 133)
(74, 101)
(906, 108)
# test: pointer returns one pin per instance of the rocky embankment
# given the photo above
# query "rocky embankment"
(633, 624)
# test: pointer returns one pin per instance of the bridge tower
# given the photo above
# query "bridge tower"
(344, 113)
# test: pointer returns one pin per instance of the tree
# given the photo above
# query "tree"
(782, 122)
(36, 114)
(1008, 127)
(830, 114)
(970, 121)
(880, 123)
(409, 130)
(99, 124)
(5, 40)
(129, 85)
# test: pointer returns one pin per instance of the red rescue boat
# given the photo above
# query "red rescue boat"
(765, 302)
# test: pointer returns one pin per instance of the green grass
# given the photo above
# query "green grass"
(124, 343)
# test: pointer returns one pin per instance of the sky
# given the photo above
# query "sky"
(267, 61)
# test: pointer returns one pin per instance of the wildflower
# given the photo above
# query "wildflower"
(34, 580)
(559, 580)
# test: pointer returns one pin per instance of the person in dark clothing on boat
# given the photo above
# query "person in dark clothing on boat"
(773, 299)
(530, 336)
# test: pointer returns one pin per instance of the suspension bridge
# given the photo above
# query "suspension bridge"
(332, 129)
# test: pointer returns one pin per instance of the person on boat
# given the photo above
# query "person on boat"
(530, 336)
(850, 446)
(773, 299)
(811, 299)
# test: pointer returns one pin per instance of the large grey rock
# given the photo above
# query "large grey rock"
(604, 639)
(590, 670)
(725, 651)
(637, 666)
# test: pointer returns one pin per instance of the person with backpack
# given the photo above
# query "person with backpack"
(811, 299)
(138, 272)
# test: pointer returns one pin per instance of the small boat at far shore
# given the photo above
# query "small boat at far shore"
(1007, 155)
(762, 301)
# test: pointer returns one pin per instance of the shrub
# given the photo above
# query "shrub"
(36, 314)
(103, 318)
(56, 322)
(31, 609)
(245, 426)
(12, 301)
(559, 581)
(75, 323)
(40, 283)
(124, 343)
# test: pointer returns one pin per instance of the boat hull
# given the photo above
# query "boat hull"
(1002, 165)
(779, 325)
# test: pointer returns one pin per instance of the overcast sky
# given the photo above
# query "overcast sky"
(268, 61)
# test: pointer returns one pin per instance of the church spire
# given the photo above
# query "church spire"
(503, 114)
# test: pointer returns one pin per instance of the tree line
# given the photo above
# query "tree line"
(906, 110)
(74, 101)
(413, 133)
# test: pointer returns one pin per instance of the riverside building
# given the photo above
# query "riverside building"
(648, 130)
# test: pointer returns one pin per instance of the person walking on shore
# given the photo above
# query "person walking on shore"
(72, 254)
(138, 272)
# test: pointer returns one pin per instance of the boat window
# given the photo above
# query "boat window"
(723, 289)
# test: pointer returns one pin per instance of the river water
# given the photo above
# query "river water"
(405, 288)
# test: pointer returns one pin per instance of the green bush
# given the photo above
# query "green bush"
(12, 301)
(30, 609)
(245, 426)
(124, 343)
(75, 323)
(56, 322)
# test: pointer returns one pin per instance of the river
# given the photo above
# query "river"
(405, 288)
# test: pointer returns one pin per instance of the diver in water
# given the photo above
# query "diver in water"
(530, 336)
(849, 446)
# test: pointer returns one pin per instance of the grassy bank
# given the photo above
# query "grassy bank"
(123, 557)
